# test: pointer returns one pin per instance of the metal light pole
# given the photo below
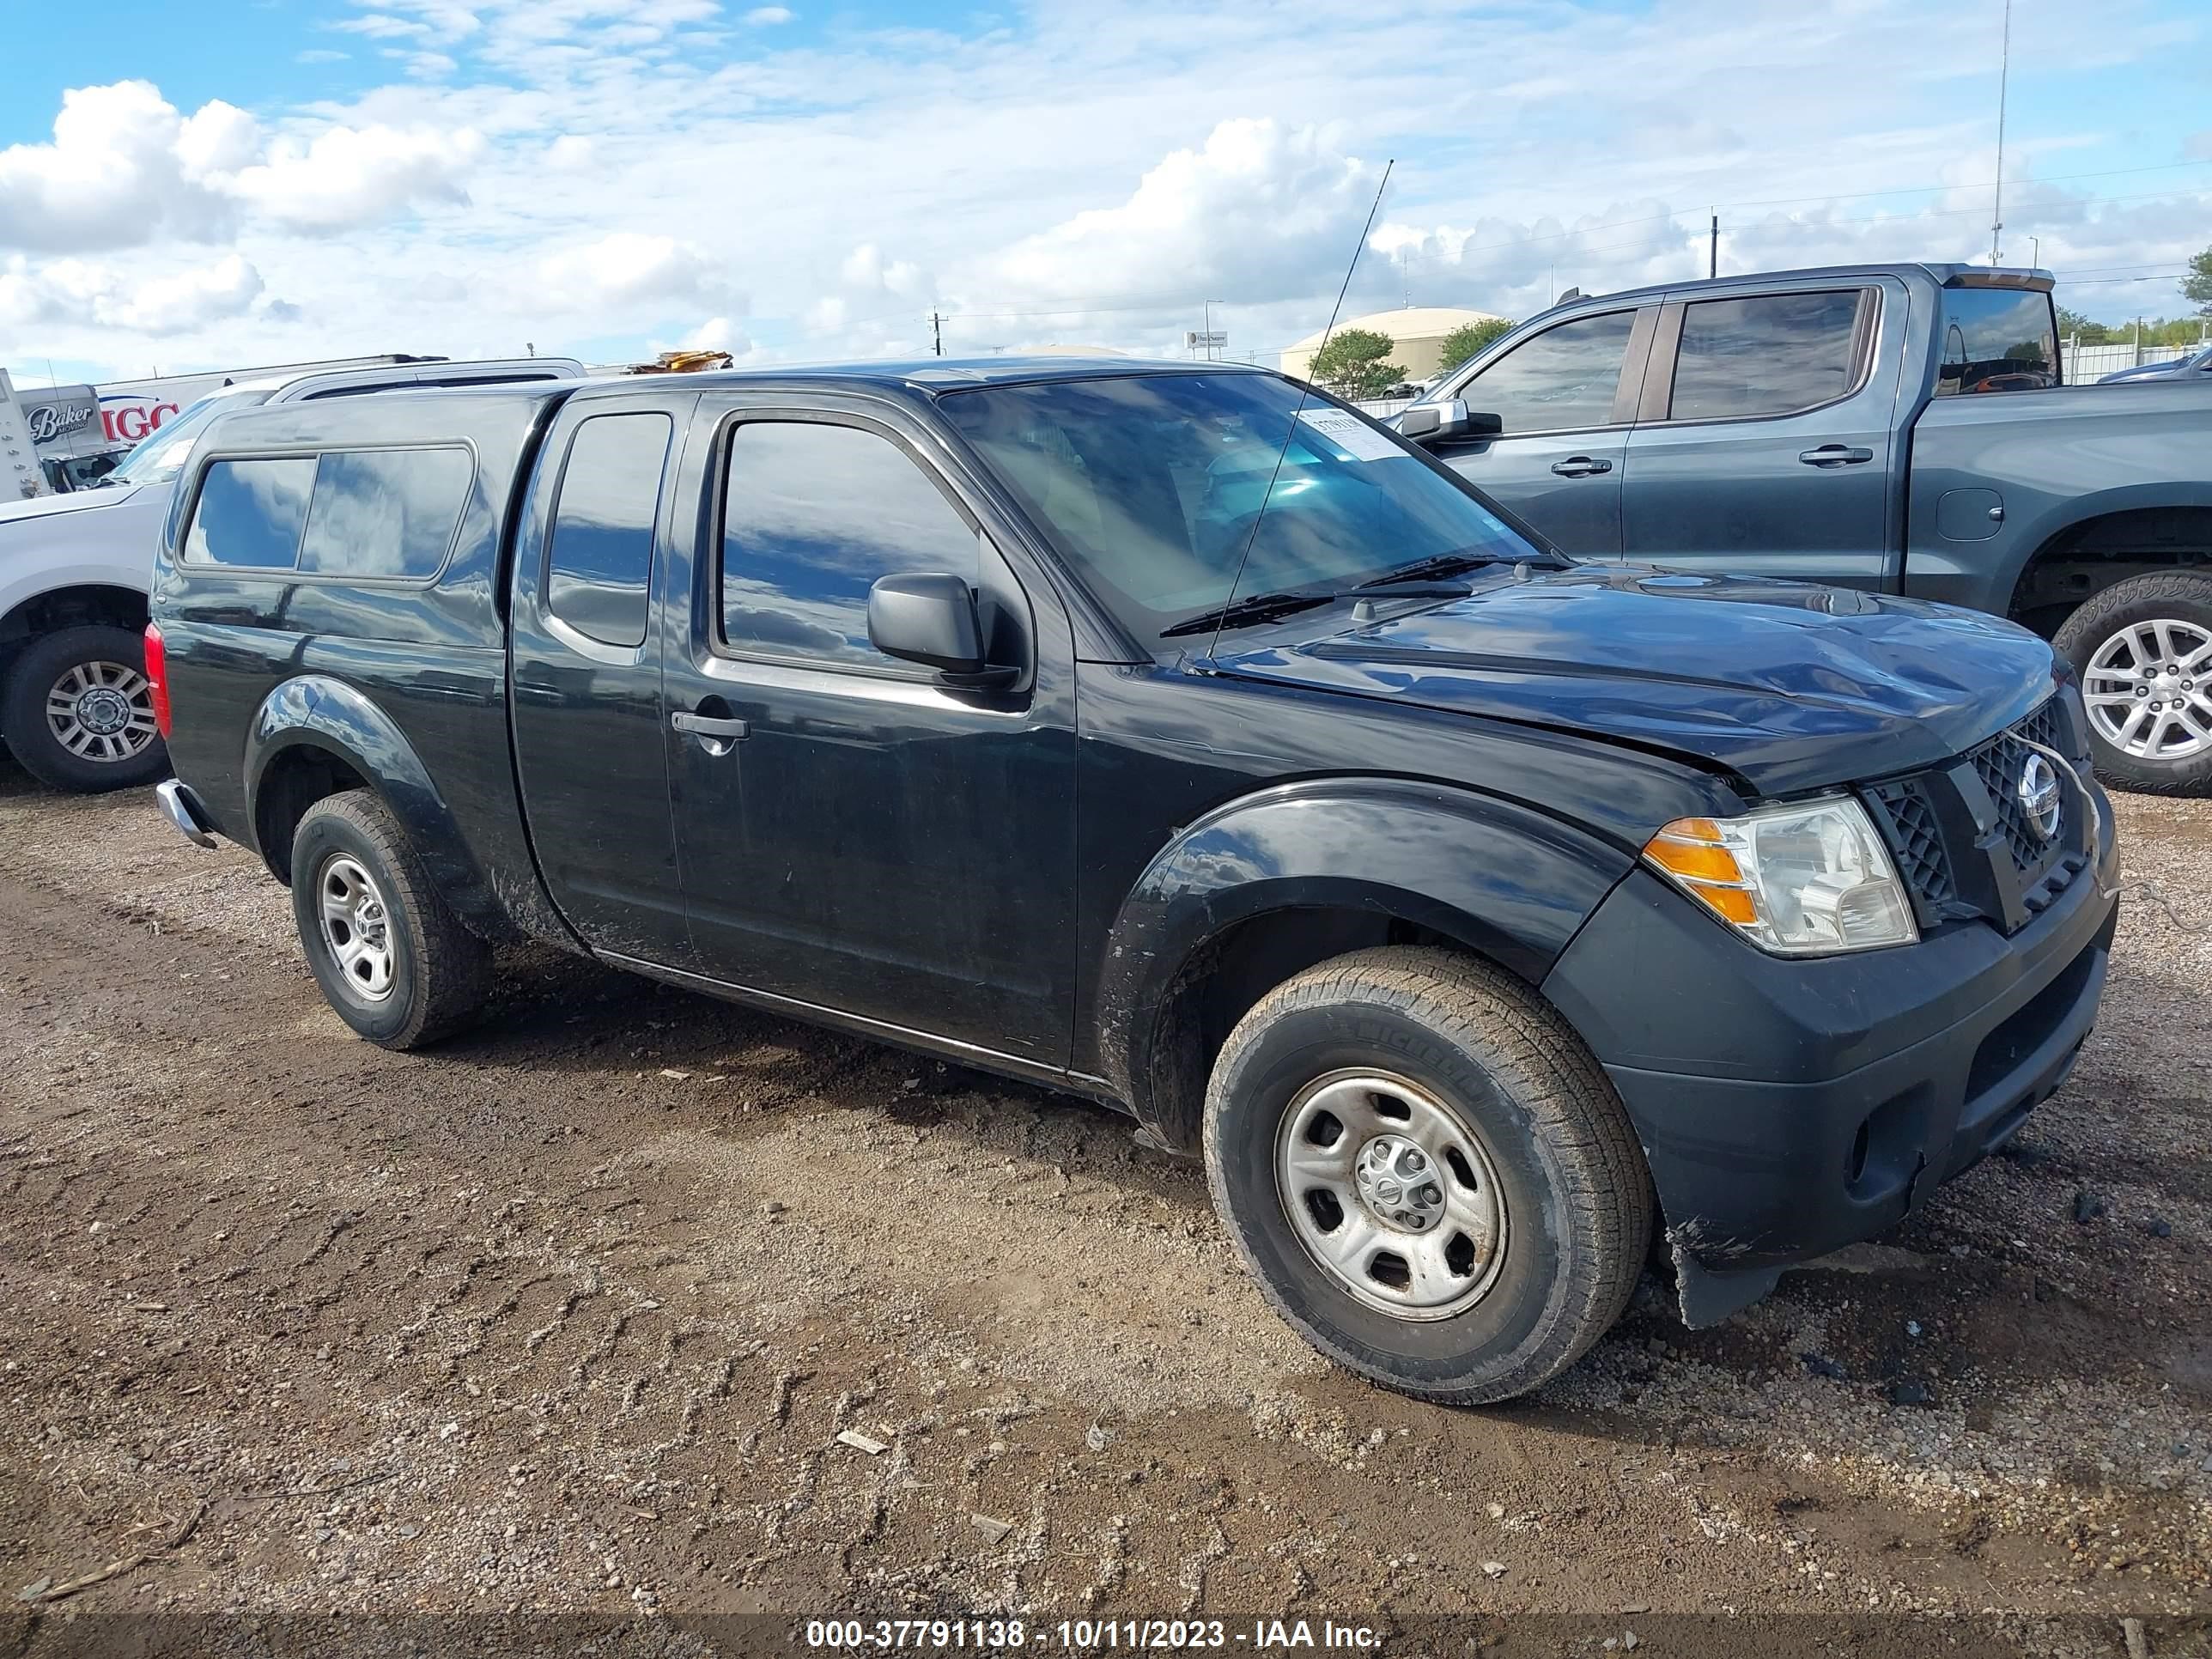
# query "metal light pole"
(2004, 74)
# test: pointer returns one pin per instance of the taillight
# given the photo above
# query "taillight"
(157, 677)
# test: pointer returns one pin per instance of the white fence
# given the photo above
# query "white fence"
(2086, 362)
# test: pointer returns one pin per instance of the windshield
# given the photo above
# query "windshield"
(1150, 486)
(161, 456)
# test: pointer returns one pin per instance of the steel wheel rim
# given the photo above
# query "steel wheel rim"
(102, 712)
(356, 925)
(2148, 690)
(1419, 1237)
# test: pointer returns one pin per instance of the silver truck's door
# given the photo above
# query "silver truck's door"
(1766, 436)
(1564, 398)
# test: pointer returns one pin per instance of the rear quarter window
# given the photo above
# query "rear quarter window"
(249, 513)
(351, 512)
(1996, 339)
(385, 511)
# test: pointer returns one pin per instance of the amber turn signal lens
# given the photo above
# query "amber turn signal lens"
(1691, 850)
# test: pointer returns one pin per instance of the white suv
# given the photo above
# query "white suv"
(75, 707)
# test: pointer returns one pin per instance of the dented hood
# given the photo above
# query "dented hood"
(1790, 686)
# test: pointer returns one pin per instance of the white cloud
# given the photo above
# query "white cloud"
(768, 16)
(628, 268)
(320, 55)
(718, 334)
(1035, 174)
(1260, 211)
(65, 291)
(344, 177)
(115, 175)
(126, 169)
(377, 26)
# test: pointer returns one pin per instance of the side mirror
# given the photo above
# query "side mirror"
(928, 617)
(1431, 425)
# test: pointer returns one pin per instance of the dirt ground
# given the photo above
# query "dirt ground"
(566, 1318)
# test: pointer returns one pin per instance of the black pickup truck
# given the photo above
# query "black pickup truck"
(1159, 734)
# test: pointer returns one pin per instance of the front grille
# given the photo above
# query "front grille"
(1955, 870)
(1998, 763)
(1916, 841)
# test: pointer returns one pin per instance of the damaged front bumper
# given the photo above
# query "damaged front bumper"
(1790, 1107)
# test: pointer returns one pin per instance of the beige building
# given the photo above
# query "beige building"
(1418, 332)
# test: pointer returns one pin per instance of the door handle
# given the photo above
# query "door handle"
(716, 733)
(1581, 466)
(1834, 455)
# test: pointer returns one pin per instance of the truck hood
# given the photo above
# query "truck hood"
(77, 500)
(1790, 686)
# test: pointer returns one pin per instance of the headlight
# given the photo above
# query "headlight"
(1808, 880)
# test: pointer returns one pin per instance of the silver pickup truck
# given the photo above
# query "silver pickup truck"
(1899, 429)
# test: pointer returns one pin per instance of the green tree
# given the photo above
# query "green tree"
(1356, 364)
(1468, 339)
(2196, 287)
(2073, 325)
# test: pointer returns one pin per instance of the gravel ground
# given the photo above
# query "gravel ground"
(568, 1316)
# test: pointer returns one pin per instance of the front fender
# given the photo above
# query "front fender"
(1497, 877)
(319, 712)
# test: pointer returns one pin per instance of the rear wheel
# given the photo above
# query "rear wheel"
(2143, 650)
(1427, 1172)
(392, 957)
(78, 710)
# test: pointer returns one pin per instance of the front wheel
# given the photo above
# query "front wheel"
(2143, 650)
(394, 960)
(1428, 1174)
(78, 711)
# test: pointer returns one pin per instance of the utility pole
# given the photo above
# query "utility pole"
(936, 332)
(2004, 73)
(1713, 257)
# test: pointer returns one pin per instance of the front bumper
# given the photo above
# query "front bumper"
(1789, 1107)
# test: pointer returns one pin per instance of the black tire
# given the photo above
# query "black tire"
(439, 971)
(2181, 597)
(1577, 1192)
(40, 669)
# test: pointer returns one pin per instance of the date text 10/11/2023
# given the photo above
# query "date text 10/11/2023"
(1089, 1635)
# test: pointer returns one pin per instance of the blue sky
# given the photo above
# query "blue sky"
(283, 179)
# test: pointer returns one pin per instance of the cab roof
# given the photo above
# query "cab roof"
(1943, 276)
(931, 375)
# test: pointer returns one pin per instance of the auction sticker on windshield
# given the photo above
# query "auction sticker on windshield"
(1350, 434)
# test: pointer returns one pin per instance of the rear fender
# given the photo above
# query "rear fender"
(321, 713)
(1492, 876)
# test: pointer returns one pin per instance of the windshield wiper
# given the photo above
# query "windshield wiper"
(1452, 564)
(1260, 607)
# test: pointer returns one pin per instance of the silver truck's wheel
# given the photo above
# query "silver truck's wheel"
(2143, 650)
(78, 713)
(2148, 687)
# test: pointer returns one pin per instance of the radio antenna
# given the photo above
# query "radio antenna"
(1305, 388)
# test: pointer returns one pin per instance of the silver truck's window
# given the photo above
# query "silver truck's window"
(598, 571)
(250, 513)
(1561, 380)
(812, 514)
(1996, 339)
(1770, 354)
(385, 511)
